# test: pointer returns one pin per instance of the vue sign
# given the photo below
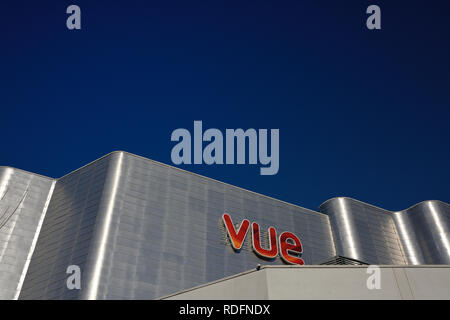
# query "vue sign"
(289, 251)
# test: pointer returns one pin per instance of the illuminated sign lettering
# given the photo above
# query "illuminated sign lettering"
(288, 246)
(237, 239)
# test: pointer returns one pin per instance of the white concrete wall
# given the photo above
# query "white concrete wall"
(327, 282)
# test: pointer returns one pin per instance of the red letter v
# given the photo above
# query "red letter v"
(237, 239)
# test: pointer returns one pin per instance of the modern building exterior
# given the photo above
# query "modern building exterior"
(139, 229)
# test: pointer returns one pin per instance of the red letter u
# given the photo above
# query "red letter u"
(266, 253)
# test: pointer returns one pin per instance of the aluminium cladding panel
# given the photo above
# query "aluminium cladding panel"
(23, 200)
(139, 229)
(424, 230)
(364, 232)
(66, 235)
(161, 231)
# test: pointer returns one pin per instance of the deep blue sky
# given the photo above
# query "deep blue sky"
(361, 113)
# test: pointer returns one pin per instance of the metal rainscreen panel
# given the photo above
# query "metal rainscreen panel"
(140, 229)
(166, 232)
(417, 235)
(66, 234)
(424, 230)
(364, 232)
(23, 197)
